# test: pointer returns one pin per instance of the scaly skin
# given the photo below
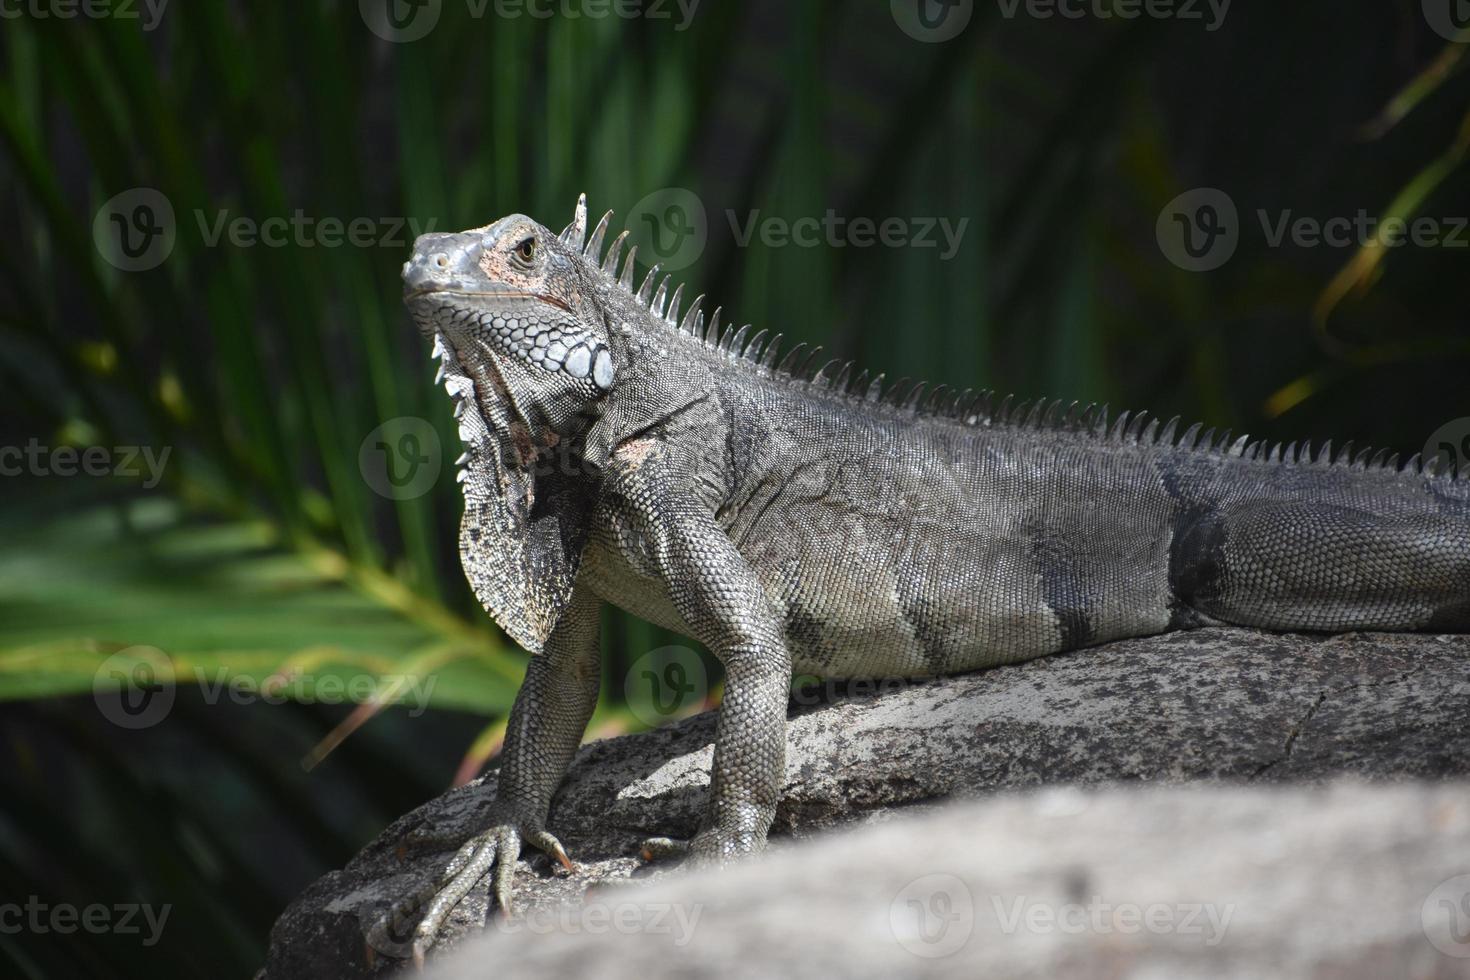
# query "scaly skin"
(791, 520)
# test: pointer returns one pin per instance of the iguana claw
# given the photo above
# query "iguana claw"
(658, 848)
(495, 851)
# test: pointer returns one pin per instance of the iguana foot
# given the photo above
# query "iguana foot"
(495, 852)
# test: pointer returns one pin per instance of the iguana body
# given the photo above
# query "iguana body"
(794, 521)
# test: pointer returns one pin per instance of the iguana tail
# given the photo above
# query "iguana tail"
(1335, 560)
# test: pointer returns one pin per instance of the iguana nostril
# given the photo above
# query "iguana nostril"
(441, 260)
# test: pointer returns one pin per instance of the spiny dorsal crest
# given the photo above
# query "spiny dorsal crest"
(803, 366)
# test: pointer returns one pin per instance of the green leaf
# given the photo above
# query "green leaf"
(223, 606)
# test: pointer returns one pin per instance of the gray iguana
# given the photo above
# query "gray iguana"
(795, 519)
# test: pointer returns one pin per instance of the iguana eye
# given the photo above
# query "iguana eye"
(526, 251)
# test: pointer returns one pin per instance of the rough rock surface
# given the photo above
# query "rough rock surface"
(1353, 881)
(1232, 705)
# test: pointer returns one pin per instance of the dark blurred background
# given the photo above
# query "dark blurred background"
(224, 669)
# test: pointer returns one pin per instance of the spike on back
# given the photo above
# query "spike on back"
(656, 307)
(610, 264)
(772, 349)
(626, 279)
(737, 343)
(969, 408)
(593, 251)
(576, 233)
(753, 349)
(687, 324)
(645, 291)
(788, 363)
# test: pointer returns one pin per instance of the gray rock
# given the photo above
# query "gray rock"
(1352, 881)
(1218, 705)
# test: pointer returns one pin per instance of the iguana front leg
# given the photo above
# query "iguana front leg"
(545, 727)
(724, 606)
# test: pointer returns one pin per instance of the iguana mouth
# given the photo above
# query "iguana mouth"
(498, 293)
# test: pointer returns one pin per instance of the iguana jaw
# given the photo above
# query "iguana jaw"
(540, 331)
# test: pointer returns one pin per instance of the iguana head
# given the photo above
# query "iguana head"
(511, 309)
(510, 301)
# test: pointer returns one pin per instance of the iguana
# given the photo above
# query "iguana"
(795, 519)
